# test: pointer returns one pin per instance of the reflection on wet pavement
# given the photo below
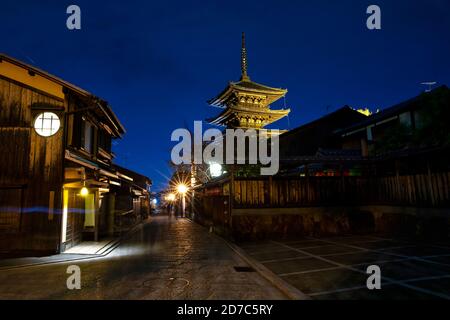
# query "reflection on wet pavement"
(166, 259)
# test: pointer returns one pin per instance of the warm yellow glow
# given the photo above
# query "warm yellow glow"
(181, 188)
(84, 192)
(365, 112)
(20, 74)
(170, 197)
(89, 210)
(65, 213)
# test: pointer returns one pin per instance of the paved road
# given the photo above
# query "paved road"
(335, 268)
(167, 258)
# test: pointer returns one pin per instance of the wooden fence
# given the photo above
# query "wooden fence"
(421, 190)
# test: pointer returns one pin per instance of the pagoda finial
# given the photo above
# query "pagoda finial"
(244, 75)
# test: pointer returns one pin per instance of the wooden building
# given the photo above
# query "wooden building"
(309, 138)
(137, 206)
(398, 127)
(56, 170)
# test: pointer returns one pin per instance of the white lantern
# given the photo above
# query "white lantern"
(215, 170)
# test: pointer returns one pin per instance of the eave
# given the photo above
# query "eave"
(249, 87)
(228, 114)
(117, 127)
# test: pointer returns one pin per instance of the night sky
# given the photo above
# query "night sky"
(157, 63)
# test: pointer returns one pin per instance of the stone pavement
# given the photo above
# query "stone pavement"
(167, 258)
(335, 268)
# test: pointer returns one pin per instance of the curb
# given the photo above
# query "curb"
(290, 291)
(107, 251)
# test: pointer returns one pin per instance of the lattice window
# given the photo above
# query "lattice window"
(47, 124)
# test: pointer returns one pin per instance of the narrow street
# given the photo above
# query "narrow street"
(167, 258)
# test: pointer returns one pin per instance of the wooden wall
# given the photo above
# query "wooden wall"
(32, 164)
(419, 190)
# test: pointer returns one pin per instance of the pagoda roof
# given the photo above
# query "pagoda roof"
(257, 87)
(229, 114)
(249, 87)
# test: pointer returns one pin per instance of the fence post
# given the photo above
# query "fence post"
(307, 183)
(270, 191)
(341, 172)
(430, 184)
(398, 195)
(231, 197)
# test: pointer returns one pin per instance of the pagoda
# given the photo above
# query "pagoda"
(246, 104)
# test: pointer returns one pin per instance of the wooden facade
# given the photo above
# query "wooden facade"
(42, 177)
(418, 190)
(31, 168)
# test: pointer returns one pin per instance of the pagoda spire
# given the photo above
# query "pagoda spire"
(244, 76)
(246, 104)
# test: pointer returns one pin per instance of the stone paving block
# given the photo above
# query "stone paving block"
(307, 244)
(419, 251)
(437, 285)
(266, 248)
(278, 255)
(361, 257)
(387, 292)
(299, 265)
(329, 280)
(380, 245)
(351, 239)
(410, 269)
(330, 249)
(441, 259)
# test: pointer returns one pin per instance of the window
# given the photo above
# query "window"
(104, 141)
(47, 124)
(405, 119)
(418, 119)
(87, 133)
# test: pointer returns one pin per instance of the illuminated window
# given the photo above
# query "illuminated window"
(47, 124)
(87, 133)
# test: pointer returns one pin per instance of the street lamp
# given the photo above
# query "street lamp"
(215, 169)
(182, 189)
(84, 192)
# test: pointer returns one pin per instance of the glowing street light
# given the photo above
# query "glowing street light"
(215, 170)
(84, 192)
(182, 189)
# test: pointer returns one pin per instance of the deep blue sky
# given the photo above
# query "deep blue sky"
(157, 63)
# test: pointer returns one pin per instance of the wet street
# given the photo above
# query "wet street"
(167, 258)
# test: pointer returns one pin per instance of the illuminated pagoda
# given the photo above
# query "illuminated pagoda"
(246, 103)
